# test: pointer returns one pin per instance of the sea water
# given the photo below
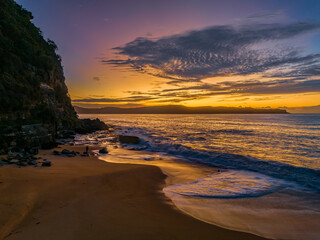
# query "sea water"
(269, 167)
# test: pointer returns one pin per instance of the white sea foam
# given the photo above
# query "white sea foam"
(230, 184)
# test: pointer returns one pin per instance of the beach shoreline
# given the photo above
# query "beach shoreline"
(86, 198)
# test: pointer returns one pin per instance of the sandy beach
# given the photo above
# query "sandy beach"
(86, 198)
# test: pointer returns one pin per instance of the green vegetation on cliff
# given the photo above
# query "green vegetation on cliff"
(32, 84)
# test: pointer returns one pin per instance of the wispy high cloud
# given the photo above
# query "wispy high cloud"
(219, 51)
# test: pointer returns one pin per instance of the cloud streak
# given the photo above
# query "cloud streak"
(218, 51)
(204, 90)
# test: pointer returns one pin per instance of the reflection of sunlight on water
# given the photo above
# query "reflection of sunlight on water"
(292, 139)
(229, 184)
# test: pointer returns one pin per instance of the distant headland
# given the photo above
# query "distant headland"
(179, 109)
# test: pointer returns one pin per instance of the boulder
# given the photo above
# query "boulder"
(55, 152)
(22, 164)
(26, 156)
(66, 151)
(3, 151)
(33, 162)
(129, 139)
(46, 164)
(3, 163)
(19, 156)
(14, 161)
(34, 151)
(90, 125)
(103, 150)
(67, 134)
(49, 145)
(3, 159)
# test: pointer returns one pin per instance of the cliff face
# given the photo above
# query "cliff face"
(34, 100)
(32, 83)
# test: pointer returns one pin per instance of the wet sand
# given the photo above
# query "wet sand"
(86, 198)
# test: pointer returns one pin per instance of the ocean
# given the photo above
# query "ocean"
(269, 167)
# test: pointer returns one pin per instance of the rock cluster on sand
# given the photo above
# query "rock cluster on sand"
(21, 157)
(46, 164)
(68, 153)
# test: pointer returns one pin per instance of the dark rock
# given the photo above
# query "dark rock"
(33, 162)
(66, 151)
(18, 156)
(2, 164)
(34, 151)
(67, 134)
(46, 164)
(49, 145)
(22, 164)
(89, 125)
(14, 161)
(55, 152)
(103, 150)
(85, 154)
(26, 156)
(129, 139)
(14, 149)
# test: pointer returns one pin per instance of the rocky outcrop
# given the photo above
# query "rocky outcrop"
(32, 83)
(88, 125)
(34, 97)
(35, 106)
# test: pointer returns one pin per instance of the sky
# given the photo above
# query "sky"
(249, 53)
